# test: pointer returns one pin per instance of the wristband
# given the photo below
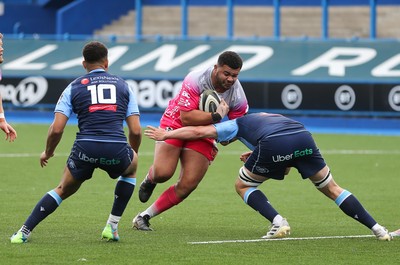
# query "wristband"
(216, 117)
(2, 115)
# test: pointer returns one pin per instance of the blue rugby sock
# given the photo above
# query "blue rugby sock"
(47, 205)
(123, 192)
(349, 204)
(259, 202)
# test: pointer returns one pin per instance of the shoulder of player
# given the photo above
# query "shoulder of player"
(98, 77)
(198, 79)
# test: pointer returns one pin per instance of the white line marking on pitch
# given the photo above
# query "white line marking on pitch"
(277, 239)
(57, 154)
(331, 152)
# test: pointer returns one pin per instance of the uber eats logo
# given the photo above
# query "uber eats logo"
(101, 160)
(297, 153)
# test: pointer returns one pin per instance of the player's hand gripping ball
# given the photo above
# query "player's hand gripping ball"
(209, 100)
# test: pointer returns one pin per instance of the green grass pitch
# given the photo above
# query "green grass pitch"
(368, 166)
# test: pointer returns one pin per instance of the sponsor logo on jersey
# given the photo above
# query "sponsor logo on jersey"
(101, 160)
(71, 163)
(295, 154)
(185, 94)
(110, 107)
(184, 102)
(262, 170)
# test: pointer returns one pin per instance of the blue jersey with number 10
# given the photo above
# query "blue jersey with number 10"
(102, 102)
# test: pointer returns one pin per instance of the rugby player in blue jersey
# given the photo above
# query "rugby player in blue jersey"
(102, 102)
(277, 143)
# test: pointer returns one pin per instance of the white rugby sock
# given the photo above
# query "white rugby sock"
(113, 221)
(277, 219)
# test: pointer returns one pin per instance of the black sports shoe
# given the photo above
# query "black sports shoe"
(145, 190)
(141, 223)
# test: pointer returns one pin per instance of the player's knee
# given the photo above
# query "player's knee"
(238, 186)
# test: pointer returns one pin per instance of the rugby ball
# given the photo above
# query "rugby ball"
(209, 101)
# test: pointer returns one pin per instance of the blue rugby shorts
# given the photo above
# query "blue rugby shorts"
(277, 152)
(86, 156)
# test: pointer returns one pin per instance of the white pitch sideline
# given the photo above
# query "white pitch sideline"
(277, 239)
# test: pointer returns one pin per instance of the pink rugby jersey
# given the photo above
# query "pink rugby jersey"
(188, 98)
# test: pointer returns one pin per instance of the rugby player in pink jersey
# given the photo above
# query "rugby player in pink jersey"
(194, 156)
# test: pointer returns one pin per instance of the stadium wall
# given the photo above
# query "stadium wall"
(299, 78)
(27, 18)
(77, 17)
(80, 17)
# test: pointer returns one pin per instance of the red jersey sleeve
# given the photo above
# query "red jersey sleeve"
(189, 95)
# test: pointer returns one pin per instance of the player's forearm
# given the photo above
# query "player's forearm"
(2, 116)
(192, 133)
(134, 132)
(185, 133)
(53, 139)
(135, 141)
(195, 118)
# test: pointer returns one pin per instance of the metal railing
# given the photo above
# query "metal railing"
(230, 24)
(230, 4)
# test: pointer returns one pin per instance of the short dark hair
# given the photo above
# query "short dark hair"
(94, 51)
(231, 59)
